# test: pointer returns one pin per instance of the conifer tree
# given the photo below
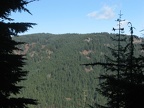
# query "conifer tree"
(11, 64)
(133, 77)
(122, 84)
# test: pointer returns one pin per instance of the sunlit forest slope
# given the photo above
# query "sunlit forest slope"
(56, 77)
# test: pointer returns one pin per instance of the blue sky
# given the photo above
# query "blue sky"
(82, 16)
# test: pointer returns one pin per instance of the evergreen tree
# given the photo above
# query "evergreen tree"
(133, 78)
(122, 84)
(11, 64)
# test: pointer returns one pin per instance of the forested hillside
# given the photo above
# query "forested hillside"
(56, 77)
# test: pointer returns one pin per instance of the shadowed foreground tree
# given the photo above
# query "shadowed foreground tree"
(123, 82)
(11, 64)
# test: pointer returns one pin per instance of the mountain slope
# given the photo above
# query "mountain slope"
(56, 77)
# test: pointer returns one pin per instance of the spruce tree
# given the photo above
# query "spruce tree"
(110, 81)
(133, 78)
(122, 84)
(11, 64)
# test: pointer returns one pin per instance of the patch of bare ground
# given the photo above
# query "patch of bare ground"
(86, 52)
(137, 41)
(27, 46)
(88, 39)
(49, 52)
(24, 51)
(68, 99)
(88, 69)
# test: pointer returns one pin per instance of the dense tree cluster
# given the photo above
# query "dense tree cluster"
(56, 77)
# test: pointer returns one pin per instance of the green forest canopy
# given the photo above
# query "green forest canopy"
(57, 78)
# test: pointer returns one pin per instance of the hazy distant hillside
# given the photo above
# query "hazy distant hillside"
(56, 77)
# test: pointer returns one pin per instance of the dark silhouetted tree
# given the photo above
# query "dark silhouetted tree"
(123, 82)
(133, 78)
(11, 64)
